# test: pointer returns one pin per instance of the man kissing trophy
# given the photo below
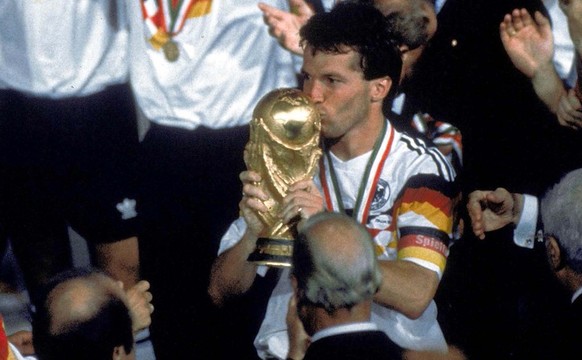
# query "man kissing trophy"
(283, 148)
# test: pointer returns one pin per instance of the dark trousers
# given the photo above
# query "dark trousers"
(189, 196)
(64, 162)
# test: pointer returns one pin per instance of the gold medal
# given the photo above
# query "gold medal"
(171, 51)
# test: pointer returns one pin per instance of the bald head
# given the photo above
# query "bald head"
(338, 238)
(334, 262)
(79, 299)
(84, 315)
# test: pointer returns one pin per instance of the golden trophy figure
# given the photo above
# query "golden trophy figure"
(283, 148)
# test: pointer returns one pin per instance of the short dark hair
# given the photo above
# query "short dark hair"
(91, 339)
(362, 28)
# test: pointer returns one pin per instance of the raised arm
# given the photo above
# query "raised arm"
(530, 46)
(284, 25)
(573, 11)
(231, 273)
(570, 112)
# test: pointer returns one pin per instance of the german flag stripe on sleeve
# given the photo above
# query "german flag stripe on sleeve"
(434, 182)
(425, 195)
(439, 217)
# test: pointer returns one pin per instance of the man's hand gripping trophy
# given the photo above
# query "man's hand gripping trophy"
(283, 149)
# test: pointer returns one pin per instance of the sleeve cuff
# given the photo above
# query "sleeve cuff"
(525, 231)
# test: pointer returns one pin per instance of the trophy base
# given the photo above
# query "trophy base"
(272, 252)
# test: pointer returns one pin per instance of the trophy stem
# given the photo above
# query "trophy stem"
(272, 252)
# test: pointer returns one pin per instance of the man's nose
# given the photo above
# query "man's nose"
(313, 90)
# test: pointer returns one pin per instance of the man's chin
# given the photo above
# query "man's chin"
(330, 141)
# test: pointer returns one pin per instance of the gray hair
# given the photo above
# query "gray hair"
(561, 210)
(407, 20)
(334, 262)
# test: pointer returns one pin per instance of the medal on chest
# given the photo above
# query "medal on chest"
(164, 19)
(368, 183)
(171, 51)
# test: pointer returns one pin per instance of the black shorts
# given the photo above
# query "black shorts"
(69, 162)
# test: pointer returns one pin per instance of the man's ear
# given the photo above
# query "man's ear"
(404, 49)
(297, 293)
(380, 88)
(293, 283)
(554, 253)
(118, 351)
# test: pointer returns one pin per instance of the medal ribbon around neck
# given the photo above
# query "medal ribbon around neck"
(166, 18)
(175, 12)
(172, 12)
(369, 180)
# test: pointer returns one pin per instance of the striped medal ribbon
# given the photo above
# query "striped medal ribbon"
(369, 182)
(165, 19)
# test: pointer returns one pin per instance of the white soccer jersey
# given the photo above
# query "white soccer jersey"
(409, 212)
(62, 48)
(225, 62)
(409, 209)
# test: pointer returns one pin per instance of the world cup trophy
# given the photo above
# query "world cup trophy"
(283, 148)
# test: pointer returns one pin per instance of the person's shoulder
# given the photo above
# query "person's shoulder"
(576, 308)
(373, 344)
(416, 156)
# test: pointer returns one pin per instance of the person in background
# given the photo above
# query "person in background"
(68, 137)
(414, 24)
(561, 216)
(335, 275)
(546, 57)
(556, 225)
(86, 314)
(198, 68)
(510, 139)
